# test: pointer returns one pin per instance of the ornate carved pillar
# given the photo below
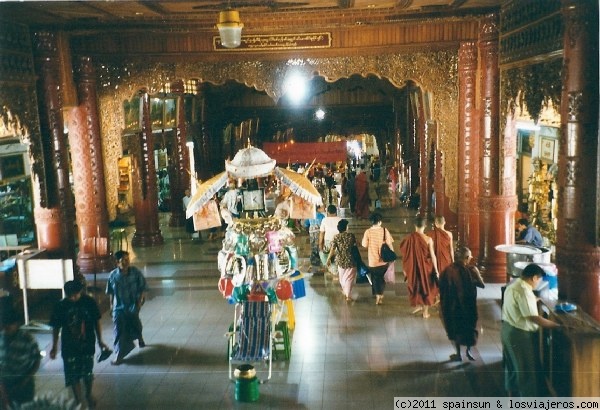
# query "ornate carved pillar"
(495, 208)
(468, 148)
(54, 224)
(202, 143)
(442, 202)
(412, 146)
(179, 172)
(577, 249)
(88, 175)
(424, 150)
(144, 183)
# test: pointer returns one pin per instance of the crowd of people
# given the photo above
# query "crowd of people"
(436, 274)
(352, 187)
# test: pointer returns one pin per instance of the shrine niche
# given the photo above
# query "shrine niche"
(16, 217)
(11, 126)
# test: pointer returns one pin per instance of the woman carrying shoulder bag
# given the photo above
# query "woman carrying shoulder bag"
(341, 249)
(372, 239)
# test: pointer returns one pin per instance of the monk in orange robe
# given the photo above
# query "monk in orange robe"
(420, 265)
(361, 189)
(442, 243)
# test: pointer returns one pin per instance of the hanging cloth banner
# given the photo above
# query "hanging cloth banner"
(306, 152)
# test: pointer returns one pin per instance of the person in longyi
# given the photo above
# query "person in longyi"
(442, 243)
(127, 289)
(341, 250)
(420, 268)
(361, 191)
(76, 321)
(327, 231)
(458, 295)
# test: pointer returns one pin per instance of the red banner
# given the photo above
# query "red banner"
(306, 152)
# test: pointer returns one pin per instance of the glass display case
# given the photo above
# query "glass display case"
(16, 213)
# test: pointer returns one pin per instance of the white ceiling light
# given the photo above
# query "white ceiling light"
(230, 28)
(320, 114)
(295, 88)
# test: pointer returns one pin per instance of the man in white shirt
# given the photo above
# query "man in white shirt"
(520, 323)
(189, 222)
(327, 231)
(230, 201)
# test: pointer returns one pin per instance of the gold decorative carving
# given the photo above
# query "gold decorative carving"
(47, 216)
(489, 26)
(575, 105)
(497, 203)
(435, 71)
(575, 23)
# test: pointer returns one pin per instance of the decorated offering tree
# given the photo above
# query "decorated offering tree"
(258, 258)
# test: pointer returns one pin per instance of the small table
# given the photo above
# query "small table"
(14, 248)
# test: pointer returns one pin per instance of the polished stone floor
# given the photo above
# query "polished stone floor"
(355, 355)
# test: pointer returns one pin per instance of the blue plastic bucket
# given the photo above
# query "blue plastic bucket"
(551, 274)
(298, 286)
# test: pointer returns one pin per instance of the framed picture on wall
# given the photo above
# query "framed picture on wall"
(156, 113)
(525, 141)
(170, 113)
(12, 166)
(547, 149)
(131, 109)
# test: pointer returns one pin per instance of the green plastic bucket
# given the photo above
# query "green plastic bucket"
(246, 384)
(246, 390)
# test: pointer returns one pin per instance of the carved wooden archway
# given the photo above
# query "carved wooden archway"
(434, 71)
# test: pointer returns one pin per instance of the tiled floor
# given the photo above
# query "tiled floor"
(356, 355)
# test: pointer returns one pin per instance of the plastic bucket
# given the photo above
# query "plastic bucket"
(543, 257)
(246, 388)
(298, 286)
(551, 275)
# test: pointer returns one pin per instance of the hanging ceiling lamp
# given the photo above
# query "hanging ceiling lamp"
(230, 28)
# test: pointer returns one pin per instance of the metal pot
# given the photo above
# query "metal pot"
(543, 257)
(522, 253)
(244, 371)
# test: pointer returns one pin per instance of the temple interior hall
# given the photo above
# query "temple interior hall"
(484, 112)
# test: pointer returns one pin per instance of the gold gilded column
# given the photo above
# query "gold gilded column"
(468, 148)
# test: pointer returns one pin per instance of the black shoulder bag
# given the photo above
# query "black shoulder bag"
(387, 254)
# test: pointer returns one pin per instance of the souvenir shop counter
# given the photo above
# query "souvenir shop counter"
(571, 354)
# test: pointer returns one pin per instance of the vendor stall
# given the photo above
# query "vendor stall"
(258, 260)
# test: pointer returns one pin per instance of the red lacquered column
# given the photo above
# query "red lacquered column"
(88, 175)
(144, 182)
(179, 172)
(578, 231)
(206, 147)
(54, 219)
(496, 208)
